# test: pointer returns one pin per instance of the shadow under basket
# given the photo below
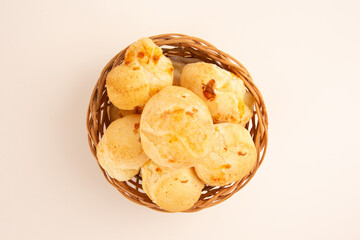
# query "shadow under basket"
(98, 120)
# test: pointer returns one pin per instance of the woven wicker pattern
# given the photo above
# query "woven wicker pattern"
(97, 118)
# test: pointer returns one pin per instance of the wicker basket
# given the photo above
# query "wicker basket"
(97, 119)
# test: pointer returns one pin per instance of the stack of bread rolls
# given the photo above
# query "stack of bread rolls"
(179, 131)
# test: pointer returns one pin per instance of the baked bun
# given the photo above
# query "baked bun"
(119, 150)
(232, 158)
(173, 190)
(144, 72)
(115, 113)
(223, 92)
(176, 128)
(179, 63)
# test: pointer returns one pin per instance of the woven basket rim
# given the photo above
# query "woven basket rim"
(175, 44)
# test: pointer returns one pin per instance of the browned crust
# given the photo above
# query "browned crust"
(209, 90)
(241, 153)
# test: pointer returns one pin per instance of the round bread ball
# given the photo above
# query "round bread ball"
(116, 113)
(176, 128)
(224, 93)
(174, 190)
(119, 151)
(144, 72)
(232, 158)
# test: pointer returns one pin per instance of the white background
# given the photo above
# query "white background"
(304, 57)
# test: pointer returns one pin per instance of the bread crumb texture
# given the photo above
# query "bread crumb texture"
(119, 151)
(231, 158)
(143, 73)
(173, 190)
(176, 131)
(224, 93)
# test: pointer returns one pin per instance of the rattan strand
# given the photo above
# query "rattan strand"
(97, 119)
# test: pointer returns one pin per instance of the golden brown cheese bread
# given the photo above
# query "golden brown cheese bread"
(174, 190)
(176, 128)
(144, 72)
(223, 92)
(232, 158)
(119, 151)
